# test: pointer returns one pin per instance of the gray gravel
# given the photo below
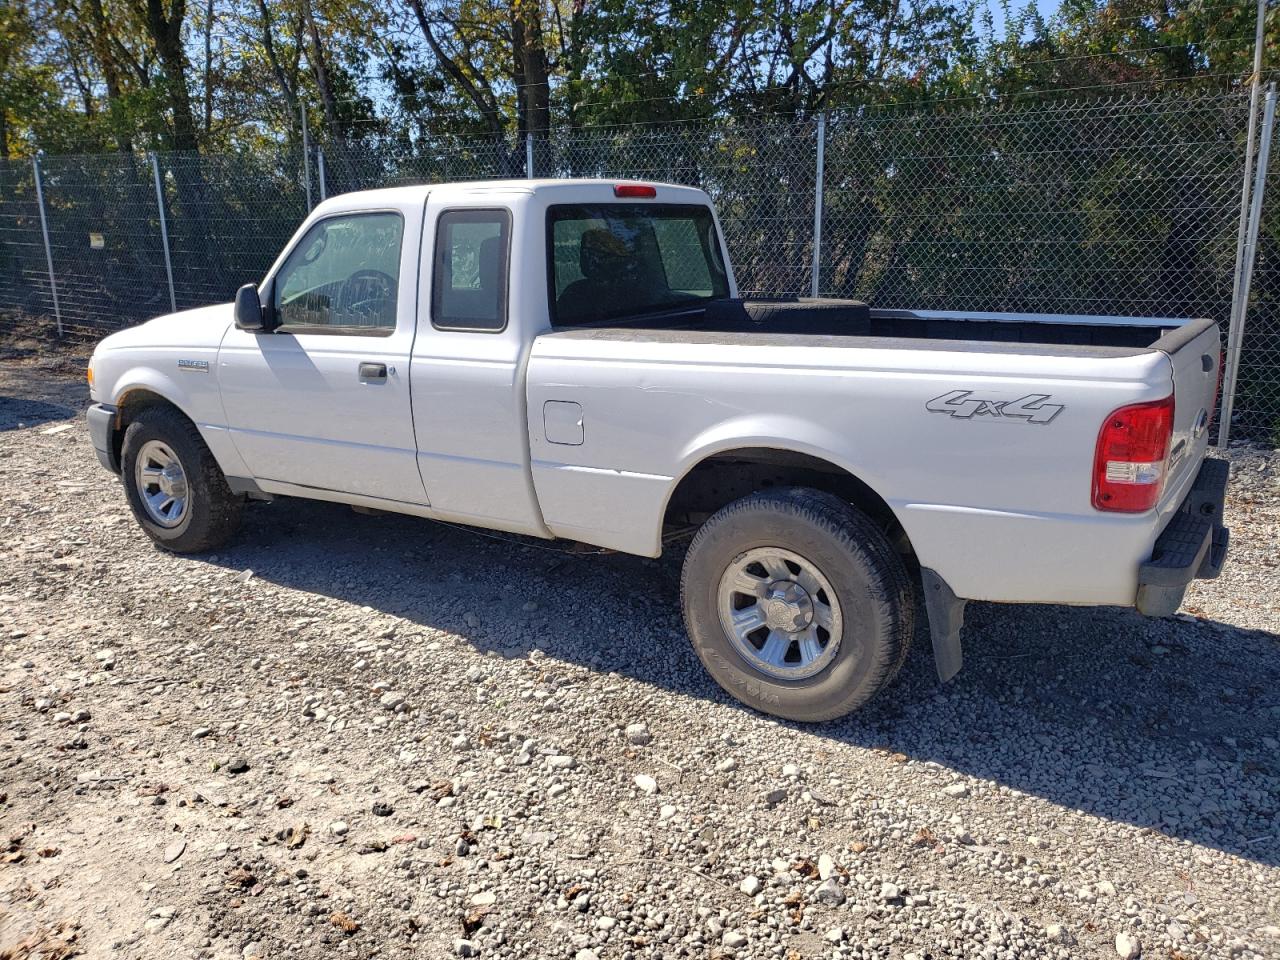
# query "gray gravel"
(360, 736)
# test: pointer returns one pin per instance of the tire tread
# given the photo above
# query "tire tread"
(891, 591)
(212, 524)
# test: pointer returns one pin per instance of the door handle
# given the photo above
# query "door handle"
(373, 371)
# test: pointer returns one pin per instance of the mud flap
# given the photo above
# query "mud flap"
(946, 617)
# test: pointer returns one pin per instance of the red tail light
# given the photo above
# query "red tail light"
(636, 191)
(1130, 464)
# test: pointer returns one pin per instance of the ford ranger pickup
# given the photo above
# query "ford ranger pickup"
(571, 359)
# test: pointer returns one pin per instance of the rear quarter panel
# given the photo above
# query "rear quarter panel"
(999, 505)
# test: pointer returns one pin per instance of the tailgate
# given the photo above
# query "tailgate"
(1195, 351)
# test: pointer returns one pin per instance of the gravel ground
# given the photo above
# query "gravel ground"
(355, 736)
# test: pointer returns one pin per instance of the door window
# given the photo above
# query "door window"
(343, 277)
(469, 289)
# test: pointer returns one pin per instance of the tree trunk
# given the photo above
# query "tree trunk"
(208, 67)
(482, 97)
(320, 70)
(166, 36)
(532, 69)
(288, 90)
(100, 43)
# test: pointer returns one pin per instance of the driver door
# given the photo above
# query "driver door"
(323, 400)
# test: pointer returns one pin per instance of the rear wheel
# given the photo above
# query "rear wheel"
(797, 604)
(174, 486)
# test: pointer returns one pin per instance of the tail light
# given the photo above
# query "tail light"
(635, 191)
(1130, 464)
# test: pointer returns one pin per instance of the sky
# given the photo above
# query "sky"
(1047, 9)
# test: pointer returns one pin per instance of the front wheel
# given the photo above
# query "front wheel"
(174, 486)
(797, 604)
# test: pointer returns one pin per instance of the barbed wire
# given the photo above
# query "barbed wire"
(715, 114)
(555, 84)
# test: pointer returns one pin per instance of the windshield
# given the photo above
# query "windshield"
(626, 259)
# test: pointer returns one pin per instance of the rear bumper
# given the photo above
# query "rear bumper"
(101, 418)
(1192, 547)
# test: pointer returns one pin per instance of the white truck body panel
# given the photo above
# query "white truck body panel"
(469, 396)
(479, 427)
(146, 358)
(296, 409)
(653, 408)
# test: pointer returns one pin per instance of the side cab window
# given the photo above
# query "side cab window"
(343, 277)
(469, 275)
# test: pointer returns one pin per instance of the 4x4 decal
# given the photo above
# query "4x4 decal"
(963, 405)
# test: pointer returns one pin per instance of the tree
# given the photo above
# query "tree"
(162, 21)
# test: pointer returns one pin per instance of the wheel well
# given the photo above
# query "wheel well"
(721, 479)
(127, 410)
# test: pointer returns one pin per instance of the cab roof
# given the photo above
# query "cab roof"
(587, 189)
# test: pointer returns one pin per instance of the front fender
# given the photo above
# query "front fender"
(193, 391)
(150, 380)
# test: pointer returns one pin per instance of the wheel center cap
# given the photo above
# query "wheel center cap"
(788, 607)
(172, 483)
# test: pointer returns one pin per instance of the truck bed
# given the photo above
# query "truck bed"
(918, 407)
(905, 327)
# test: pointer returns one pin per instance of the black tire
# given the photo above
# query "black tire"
(875, 594)
(213, 511)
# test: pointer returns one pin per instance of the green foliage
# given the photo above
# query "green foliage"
(91, 75)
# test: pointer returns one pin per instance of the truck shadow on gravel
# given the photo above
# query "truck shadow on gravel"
(1166, 725)
(17, 414)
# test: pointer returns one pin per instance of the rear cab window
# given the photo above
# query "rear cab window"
(608, 261)
(469, 273)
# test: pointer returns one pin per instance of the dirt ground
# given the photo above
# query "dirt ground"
(360, 736)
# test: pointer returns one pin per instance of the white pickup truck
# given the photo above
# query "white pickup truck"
(569, 359)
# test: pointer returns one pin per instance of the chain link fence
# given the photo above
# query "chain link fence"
(1257, 405)
(1111, 206)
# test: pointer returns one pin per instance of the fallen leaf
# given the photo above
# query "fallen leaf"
(241, 877)
(924, 838)
(805, 867)
(474, 919)
(344, 923)
(56, 943)
(297, 836)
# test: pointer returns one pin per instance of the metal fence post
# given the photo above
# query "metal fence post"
(324, 192)
(528, 155)
(164, 229)
(1236, 339)
(1237, 306)
(306, 152)
(48, 250)
(819, 176)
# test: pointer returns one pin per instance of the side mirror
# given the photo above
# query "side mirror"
(249, 313)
